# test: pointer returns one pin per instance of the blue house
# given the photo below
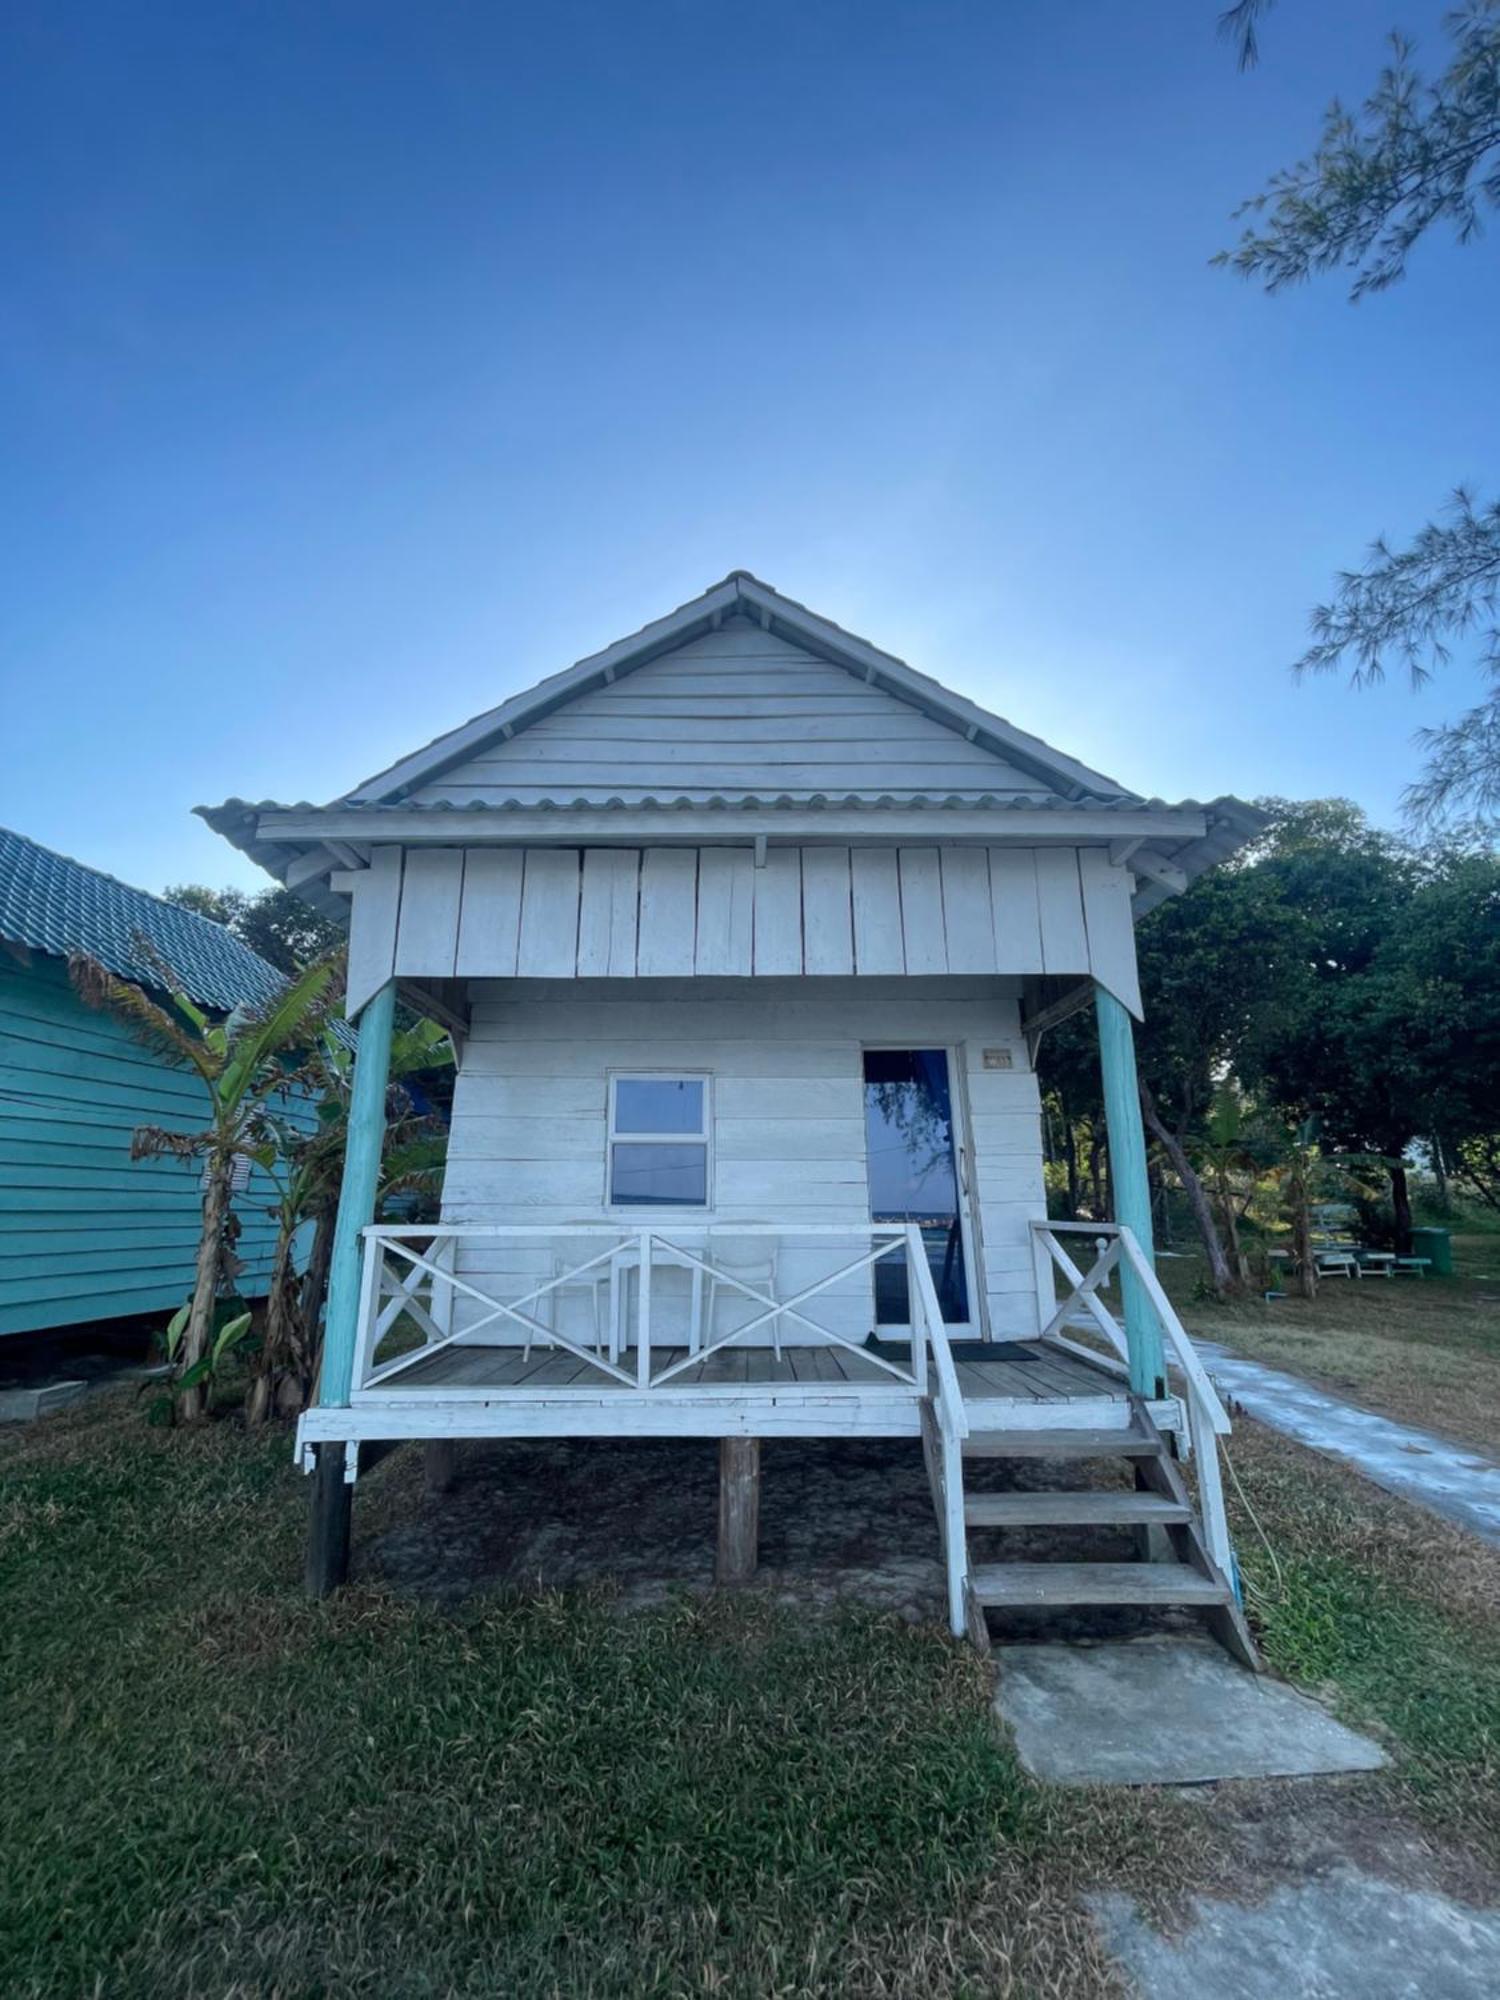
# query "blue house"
(87, 1233)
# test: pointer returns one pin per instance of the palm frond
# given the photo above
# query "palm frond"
(149, 1142)
(153, 1026)
(169, 980)
(294, 1016)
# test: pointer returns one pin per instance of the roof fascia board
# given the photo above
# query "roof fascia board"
(477, 827)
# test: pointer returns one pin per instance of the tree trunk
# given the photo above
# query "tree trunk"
(1401, 1204)
(1231, 1225)
(1440, 1173)
(314, 1293)
(1220, 1273)
(281, 1349)
(1302, 1243)
(192, 1405)
(1161, 1205)
(1070, 1158)
(1096, 1177)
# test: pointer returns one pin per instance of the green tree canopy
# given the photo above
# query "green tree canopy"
(276, 923)
(1416, 154)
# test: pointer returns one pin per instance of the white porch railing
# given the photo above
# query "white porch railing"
(412, 1272)
(952, 1421)
(1207, 1419)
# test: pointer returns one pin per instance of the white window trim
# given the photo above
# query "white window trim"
(705, 1138)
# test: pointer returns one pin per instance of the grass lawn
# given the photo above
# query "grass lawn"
(209, 1786)
(1423, 1350)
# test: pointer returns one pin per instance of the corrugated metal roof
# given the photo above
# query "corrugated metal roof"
(221, 816)
(53, 904)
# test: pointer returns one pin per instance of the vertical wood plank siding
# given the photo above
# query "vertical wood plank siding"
(86, 1232)
(672, 912)
(785, 1062)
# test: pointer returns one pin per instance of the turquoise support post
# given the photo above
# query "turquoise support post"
(1132, 1188)
(372, 1064)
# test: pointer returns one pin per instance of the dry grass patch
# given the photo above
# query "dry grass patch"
(1425, 1351)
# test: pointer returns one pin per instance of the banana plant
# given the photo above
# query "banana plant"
(308, 1173)
(246, 1063)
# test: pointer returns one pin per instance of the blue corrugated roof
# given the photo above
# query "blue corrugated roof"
(52, 904)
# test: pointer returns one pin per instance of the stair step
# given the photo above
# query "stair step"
(1019, 1586)
(1066, 1510)
(1123, 1443)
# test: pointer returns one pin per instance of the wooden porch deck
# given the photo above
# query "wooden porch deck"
(1018, 1371)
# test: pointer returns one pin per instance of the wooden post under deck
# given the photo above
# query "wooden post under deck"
(739, 1509)
(328, 1531)
(440, 1464)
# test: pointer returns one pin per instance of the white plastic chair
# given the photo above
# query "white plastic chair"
(754, 1265)
(594, 1283)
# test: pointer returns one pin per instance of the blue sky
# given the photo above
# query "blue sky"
(360, 364)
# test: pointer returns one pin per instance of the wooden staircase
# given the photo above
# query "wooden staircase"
(1158, 1500)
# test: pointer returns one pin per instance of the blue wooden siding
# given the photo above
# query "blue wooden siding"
(85, 1232)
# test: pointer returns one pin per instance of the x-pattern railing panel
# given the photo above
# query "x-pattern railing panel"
(375, 1249)
(388, 1294)
(786, 1308)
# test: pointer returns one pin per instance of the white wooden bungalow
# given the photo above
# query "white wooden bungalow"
(746, 933)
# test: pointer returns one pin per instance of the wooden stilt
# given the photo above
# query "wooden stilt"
(328, 1528)
(440, 1463)
(739, 1509)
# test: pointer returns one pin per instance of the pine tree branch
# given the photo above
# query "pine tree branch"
(1412, 156)
(1406, 605)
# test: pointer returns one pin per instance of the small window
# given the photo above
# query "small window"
(658, 1142)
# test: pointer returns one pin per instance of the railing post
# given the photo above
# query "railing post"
(1132, 1188)
(955, 1530)
(643, 1327)
(921, 1332)
(1210, 1488)
(357, 1193)
(368, 1314)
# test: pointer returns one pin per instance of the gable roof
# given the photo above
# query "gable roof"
(525, 759)
(743, 596)
(49, 903)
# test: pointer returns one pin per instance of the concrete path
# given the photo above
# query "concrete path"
(1344, 1936)
(1451, 1479)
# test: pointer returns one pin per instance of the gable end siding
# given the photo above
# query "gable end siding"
(733, 714)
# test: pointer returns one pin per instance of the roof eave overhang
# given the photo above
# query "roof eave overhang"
(1167, 846)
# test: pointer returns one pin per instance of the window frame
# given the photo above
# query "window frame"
(703, 1137)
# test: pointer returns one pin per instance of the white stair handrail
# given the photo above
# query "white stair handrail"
(952, 1424)
(1184, 1354)
(950, 1396)
(1207, 1418)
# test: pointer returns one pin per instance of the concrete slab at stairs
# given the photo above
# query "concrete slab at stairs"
(1164, 1711)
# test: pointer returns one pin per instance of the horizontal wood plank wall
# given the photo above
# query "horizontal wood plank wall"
(785, 1061)
(735, 712)
(86, 1232)
(671, 912)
